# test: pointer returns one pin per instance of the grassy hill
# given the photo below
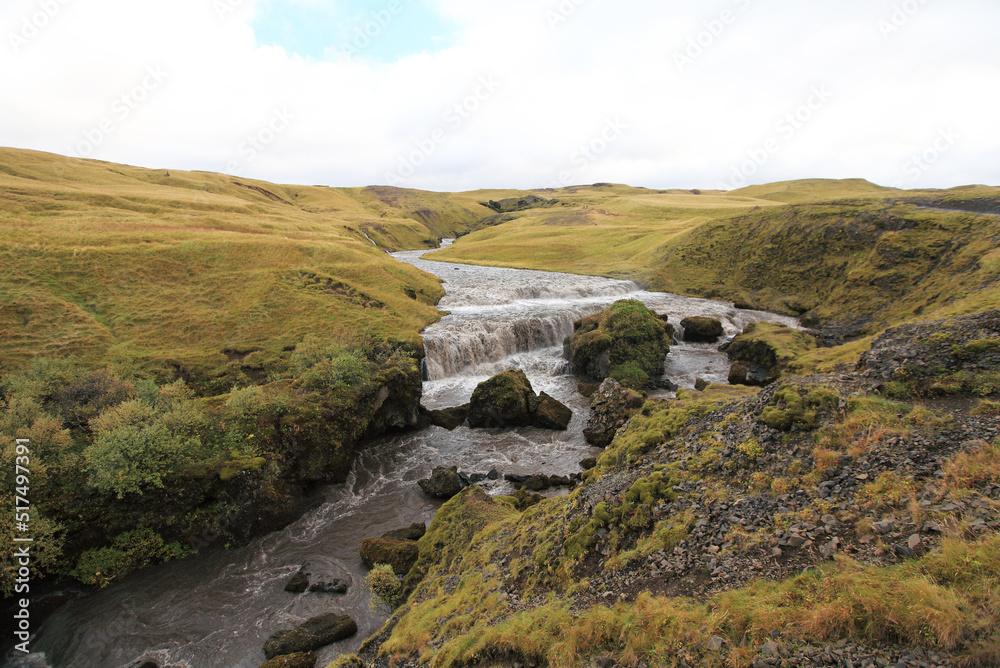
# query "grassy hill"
(111, 264)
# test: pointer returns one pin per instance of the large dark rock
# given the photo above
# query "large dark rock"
(449, 418)
(626, 341)
(299, 582)
(415, 531)
(400, 554)
(702, 330)
(552, 414)
(443, 483)
(317, 632)
(331, 587)
(763, 350)
(508, 400)
(609, 411)
(505, 400)
(298, 660)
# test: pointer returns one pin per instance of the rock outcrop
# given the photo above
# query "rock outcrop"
(609, 411)
(702, 330)
(626, 341)
(315, 633)
(508, 400)
(400, 554)
(763, 350)
(443, 483)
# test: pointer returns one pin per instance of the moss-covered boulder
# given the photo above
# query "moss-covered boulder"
(298, 660)
(702, 330)
(443, 483)
(315, 633)
(508, 400)
(505, 400)
(551, 413)
(449, 418)
(626, 341)
(763, 350)
(400, 554)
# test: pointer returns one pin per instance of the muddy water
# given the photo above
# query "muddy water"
(216, 609)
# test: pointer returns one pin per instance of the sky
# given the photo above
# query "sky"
(464, 94)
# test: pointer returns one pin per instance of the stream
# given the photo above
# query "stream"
(216, 609)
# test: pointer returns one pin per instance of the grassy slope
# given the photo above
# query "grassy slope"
(849, 252)
(114, 264)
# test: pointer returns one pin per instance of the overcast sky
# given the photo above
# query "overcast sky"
(463, 94)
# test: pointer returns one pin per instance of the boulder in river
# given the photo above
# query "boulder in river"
(331, 587)
(609, 410)
(764, 350)
(415, 531)
(449, 418)
(400, 554)
(315, 633)
(508, 400)
(297, 660)
(699, 329)
(299, 582)
(552, 414)
(443, 483)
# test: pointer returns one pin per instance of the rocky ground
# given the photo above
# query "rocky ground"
(808, 471)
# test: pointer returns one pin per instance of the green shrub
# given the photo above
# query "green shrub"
(129, 552)
(136, 447)
(385, 586)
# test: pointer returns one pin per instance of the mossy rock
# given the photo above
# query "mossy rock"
(699, 329)
(449, 418)
(415, 531)
(505, 400)
(443, 483)
(315, 633)
(297, 660)
(400, 554)
(552, 414)
(627, 336)
(765, 350)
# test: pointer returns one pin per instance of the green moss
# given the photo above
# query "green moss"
(751, 448)
(626, 340)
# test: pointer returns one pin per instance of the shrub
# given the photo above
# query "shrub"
(136, 447)
(385, 586)
(129, 552)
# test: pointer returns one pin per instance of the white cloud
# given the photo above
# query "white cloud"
(559, 84)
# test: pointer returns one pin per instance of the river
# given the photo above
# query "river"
(216, 609)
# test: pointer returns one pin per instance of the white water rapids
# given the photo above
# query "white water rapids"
(216, 609)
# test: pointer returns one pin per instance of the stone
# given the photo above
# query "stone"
(883, 527)
(609, 411)
(415, 531)
(449, 418)
(400, 554)
(297, 660)
(505, 400)
(714, 644)
(299, 582)
(315, 633)
(332, 587)
(701, 384)
(443, 484)
(702, 330)
(588, 463)
(914, 542)
(551, 413)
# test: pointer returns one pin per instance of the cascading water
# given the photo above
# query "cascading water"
(216, 609)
